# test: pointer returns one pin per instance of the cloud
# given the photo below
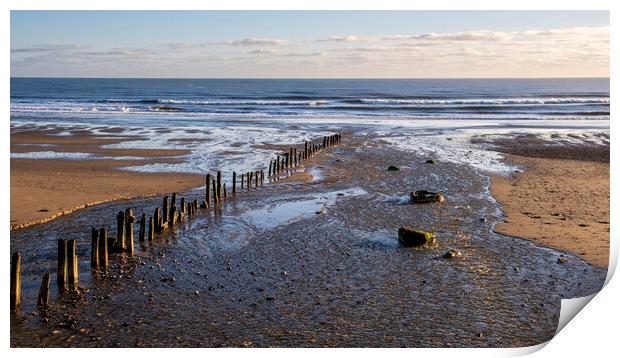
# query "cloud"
(255, 41)
(263, 51)
(46, 48)
(305, 54)
(347, 38)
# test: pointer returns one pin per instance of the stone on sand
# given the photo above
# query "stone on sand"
(412, 237)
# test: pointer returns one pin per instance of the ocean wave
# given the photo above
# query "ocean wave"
(487, 101)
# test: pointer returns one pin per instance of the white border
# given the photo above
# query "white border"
(593, 331)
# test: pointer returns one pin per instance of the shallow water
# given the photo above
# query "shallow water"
(296, 264)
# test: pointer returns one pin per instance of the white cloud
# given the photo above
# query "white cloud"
(347, 38)
(255, 41)
(263, 51)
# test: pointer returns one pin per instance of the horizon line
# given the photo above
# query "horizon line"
(310, 78)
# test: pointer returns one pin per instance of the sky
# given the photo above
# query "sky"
(309, 44)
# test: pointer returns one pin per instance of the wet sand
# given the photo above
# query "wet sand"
(314, 264)
(43, 189)
(561, 200)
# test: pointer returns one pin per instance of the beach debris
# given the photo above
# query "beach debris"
(425, 196)
(392, 168)
(482, 220)
(411, 237)
(562, 260)
(430, 161)
(452, 254)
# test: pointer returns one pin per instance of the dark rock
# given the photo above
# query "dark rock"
(430, 161)
(411, 237)
(425, 196)
(392, 168)
(452, 254)
(562, 260)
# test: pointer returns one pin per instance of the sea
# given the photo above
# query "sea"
(238, 115)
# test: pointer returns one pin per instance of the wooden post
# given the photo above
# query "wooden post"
(269, 172)
(44, 291)
(72, 264)
(242, 180)
(119, 244)
(295, 156)
(142, 230)
(214, 191)
(94, 248)
(234, 187)
(262, 176)
(256, 178)
(61, 273)
(278, 165)
(225, 193)
(165, 210)
(16, 280)
(157, 219)
(173, 216)
(103, 248)
(129, 220)
(151, 229)
(305, 150)
(208, 191)
(182, 206)
(219, 186)
(290, 157)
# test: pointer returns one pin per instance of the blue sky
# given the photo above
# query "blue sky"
(309, 43)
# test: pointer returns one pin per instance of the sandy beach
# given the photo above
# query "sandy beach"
(293, 262)
(560, 200)
(43, 189)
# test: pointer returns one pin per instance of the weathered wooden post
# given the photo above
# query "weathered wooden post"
(278, 165)
(182, 206)
(103, 248)
(16, 280)
(295, 155)
(208, 191)
(151, 228)
(61, 273)
(119, 244)
(44, 291)
(129, 220)
(142, 229)
(270, 165)
(242, 181)
(157, 219)
(290, 157)
(219, 186)
(234, 187)
(215, 197)
(94, 248)
(305, 150)
(225, 193)
(173, 216)
(248, 176)
(72, 264)
(165, 209)
(262, 176)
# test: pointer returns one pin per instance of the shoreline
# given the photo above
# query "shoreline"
(560, 200)
(43, 189)
(246, 263)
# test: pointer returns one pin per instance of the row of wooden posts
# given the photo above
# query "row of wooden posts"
(167, 217)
